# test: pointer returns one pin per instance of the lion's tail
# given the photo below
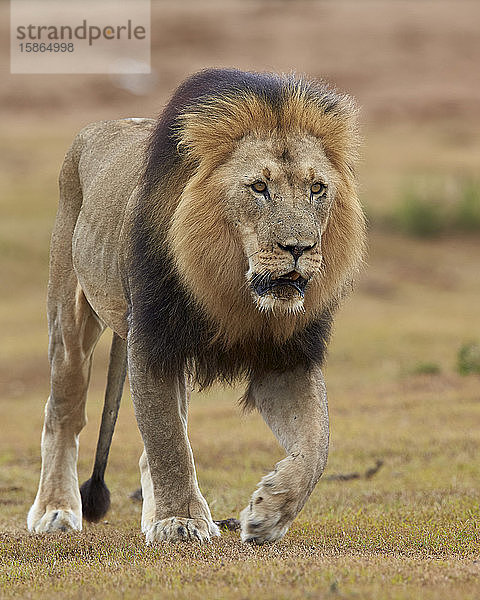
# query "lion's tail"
(94, 492)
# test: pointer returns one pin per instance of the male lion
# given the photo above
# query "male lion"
(216, 243)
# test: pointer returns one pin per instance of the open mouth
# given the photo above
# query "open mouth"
(262, 284)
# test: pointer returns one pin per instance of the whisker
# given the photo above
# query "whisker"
(258, 278)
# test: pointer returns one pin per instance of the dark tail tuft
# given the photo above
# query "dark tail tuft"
(95, 499)
(94, 492)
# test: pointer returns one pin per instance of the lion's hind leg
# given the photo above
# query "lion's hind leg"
(74, 330)
(74, 333)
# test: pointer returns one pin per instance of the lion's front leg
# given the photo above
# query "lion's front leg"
(174, 508)
(294, 405)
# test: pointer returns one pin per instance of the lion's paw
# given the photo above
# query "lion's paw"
(267, 517)
(54, 521)
(181, 529)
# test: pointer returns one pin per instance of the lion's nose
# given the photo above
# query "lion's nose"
(296, 250)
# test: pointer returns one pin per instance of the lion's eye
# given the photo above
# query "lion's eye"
(318, 188)
(259, 186)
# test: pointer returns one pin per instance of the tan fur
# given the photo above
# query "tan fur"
(220, 234)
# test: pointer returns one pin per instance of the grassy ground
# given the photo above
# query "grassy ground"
(410, 531)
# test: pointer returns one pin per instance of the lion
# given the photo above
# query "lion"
(217, 243)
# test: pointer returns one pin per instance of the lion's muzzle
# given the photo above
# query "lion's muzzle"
(263, 284)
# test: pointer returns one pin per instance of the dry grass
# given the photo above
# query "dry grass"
(410, 531)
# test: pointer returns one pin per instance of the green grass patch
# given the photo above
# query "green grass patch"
(427, 208)
(418, 215)
(427, 368)
(467, 213)
(468, 359)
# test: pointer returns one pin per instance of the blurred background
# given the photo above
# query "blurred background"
(406, 345)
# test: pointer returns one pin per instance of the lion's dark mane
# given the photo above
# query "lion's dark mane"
(169, 328)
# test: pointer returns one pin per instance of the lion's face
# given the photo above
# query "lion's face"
(278, 194)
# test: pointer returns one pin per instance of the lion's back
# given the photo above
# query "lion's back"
(112, 148)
